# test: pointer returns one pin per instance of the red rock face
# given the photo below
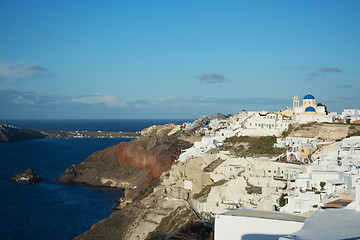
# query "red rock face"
(109, 153)
(139, 157)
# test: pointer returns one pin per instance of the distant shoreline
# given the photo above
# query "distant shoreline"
(9, 133)
(106, 125)
(87, 134)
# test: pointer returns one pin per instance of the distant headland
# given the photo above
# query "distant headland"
(9, 133)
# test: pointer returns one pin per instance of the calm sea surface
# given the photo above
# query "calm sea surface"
(50, 210)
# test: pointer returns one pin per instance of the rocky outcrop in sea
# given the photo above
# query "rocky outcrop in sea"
(28, 176)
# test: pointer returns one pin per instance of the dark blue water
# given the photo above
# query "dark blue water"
(124, 125)
(50, 210)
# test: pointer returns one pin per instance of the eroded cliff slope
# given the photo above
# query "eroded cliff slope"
(133, 165)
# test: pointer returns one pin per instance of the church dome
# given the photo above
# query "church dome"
(309, 96)
(310, 109)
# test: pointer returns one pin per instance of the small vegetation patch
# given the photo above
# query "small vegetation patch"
(354, 130)
(322, 185)
(282, 200)
(255, 146)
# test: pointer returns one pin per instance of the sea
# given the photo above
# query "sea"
(49, 210)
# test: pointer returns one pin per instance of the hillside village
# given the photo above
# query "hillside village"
(317, 169)
(267, 167)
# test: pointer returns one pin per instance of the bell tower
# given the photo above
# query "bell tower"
(296, 102)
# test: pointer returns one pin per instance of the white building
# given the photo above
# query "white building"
(252, 182)
(236, 122)
(352, 114)
(302, 202)
(207, 143)
(264, 124)
(305, 118)
(350, 147)
(255, 225)
(302, 182)
(332, 223)
(331, 174)
(294, 141)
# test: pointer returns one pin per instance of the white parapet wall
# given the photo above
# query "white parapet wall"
(357, 195)
(246, 224)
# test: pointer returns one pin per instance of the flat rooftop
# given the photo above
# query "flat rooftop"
(328, 224)
(244, 212)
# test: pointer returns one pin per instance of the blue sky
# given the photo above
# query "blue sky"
(175, 59)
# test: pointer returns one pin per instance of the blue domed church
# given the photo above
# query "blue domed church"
(308, 106)
(308, 111)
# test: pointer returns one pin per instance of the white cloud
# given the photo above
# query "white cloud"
(21, 100)
(12, 72)
(108, 100)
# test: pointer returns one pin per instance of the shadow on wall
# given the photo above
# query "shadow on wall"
(261, 237)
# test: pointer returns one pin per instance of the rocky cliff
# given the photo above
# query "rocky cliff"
(153, 218)
(133, 166)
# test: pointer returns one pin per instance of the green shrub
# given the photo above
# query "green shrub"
(322, 185)
(282, 200)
